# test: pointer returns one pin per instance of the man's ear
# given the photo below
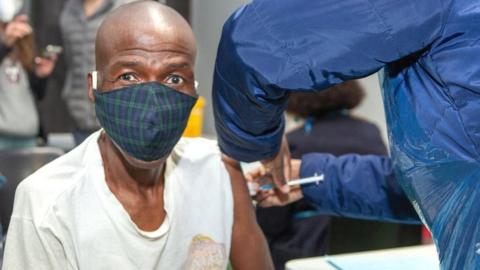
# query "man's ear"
(90, 78)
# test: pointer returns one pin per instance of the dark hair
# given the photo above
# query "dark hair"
(346, 95)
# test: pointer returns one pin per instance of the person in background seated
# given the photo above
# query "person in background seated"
(134, 195)
(321, 122)
(22, 82)
(79, 21)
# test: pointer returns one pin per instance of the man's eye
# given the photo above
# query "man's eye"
(128, 77)
(174, 79)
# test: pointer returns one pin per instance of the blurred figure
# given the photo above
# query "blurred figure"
(10, 8)
(321, 122)
(79, 22)
(327, 125)
(22, 81)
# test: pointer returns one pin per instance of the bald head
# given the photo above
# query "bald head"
(142, 23)
(145, 41)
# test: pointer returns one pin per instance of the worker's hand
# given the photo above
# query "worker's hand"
(273, 197)
(44, 66)
(279, 167)
(269, 198)
(16, 29)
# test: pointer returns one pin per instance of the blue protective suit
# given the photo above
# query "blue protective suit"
(429, 55)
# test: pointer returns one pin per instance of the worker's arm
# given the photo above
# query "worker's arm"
(249, 247)
(354, 186)
(357, 187)
(271, 47)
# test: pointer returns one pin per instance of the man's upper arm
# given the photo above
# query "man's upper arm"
(249, 247)
(31, 248)
(32, 244)
(264, 53)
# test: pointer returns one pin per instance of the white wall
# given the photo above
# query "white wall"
(208, 17)
(372, 106)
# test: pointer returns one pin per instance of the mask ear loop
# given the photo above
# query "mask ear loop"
(94, 80)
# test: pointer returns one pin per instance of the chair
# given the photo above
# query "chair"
(16, 165)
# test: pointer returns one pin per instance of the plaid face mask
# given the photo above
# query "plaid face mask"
(145, 120)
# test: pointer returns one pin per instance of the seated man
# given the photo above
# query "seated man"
(130, 196)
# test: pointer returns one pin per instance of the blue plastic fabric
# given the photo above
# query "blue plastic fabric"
(432, 99)
(434, 166)
(265, 53)
(356, 186)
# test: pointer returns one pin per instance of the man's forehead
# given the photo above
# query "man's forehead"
(151, 39)
(137, 58)
(161, 51)
(151, 30)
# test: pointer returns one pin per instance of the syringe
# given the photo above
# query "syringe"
(301, 181)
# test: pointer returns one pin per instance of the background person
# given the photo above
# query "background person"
(79, 22)
(22, 84)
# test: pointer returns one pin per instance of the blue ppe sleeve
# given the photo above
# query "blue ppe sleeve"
(355, 186)
(271, 47)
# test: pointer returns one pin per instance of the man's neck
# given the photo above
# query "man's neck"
(121, 173)
(140, 191)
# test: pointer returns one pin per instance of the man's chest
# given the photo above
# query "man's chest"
(147, 215)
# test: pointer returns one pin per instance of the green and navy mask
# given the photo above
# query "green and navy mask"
(145, 120)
